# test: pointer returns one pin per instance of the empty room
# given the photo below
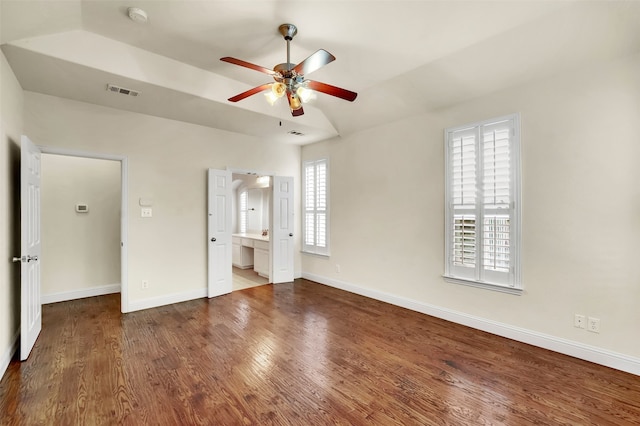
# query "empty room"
(319, 212)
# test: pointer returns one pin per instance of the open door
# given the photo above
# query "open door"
(219, 233)
(30, 306)
(282, 233)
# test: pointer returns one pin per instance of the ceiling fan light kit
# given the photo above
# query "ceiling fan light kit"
(289, 78)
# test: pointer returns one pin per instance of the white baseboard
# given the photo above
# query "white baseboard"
(568, 347)
(79, 294)
(155, 302)
(8, 354)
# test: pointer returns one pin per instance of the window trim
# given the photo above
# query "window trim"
(314, 249)
(516, 286)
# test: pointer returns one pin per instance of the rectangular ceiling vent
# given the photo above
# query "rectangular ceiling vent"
(122, 90)
(294, 132)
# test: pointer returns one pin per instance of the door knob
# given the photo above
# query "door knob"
(213, 239)
(17, 259)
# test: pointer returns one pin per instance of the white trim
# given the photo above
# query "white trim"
(257, 173)
(310, 253)
(488, 286)
(79, 294)
(124, 210)
(75, 153)
(7, 356)
(593, 354)
(168, 299)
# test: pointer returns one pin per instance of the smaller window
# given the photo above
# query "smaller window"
(315, 199)
(243, 212)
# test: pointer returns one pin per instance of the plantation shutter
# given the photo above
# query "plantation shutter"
(496, 188)
(316, 213)
(481, 202)
(243, 212)
(463, 202)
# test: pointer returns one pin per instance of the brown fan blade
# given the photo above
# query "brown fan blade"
(248, 65)
(345, 94)
(293, 102)
(250, 92)
(314, 62)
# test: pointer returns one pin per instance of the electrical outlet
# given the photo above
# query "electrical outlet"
(144, 284)
(146, 212)
(594, 325)
(337, 268)
(579, 321)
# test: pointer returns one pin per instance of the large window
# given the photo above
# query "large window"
(315, 175)
(483, 204)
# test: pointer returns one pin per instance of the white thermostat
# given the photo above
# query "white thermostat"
(82, 208)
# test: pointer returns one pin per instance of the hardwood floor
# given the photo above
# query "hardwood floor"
(296, 354)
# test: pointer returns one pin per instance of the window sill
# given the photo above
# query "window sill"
(487, 286)
(310, 253)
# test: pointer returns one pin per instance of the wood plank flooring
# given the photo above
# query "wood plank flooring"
(296, 354)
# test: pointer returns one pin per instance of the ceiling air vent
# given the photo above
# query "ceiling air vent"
(294, 132)
(116, 89)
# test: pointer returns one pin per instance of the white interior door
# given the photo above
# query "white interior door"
(219, 233)
(282, 231)
(30, 306)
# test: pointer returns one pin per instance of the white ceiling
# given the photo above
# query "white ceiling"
(402, 57)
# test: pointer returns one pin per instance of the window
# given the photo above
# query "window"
(243, 211)
(315, 185)
(483, 204)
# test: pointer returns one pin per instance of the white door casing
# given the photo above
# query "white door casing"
(219, 233)
(30, 306)
(282, 240)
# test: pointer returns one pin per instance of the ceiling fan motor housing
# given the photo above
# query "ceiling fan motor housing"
(288, 31)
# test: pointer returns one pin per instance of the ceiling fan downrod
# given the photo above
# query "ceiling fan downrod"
(288, 31)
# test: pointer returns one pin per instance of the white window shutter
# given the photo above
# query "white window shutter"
(243, 211)
(316, 206)
(482, 217)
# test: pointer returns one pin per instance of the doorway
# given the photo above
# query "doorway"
(277, 263)
(80, 223)
(251, 207)
(90, 201)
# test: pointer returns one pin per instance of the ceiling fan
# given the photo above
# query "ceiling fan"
(290, 79)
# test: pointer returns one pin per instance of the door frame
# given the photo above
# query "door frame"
(124, 211)
(257, 173)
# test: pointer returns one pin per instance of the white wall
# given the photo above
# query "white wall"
(79, 250)
(11, 124)
(581, 208)
(168, 162)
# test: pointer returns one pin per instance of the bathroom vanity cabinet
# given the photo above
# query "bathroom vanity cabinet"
(251, 250)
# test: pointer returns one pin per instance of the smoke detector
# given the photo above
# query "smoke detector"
(137, 15)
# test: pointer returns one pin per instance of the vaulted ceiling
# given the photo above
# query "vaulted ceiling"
(402, 57)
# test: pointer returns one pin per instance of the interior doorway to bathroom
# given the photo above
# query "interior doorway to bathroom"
(251, 201)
